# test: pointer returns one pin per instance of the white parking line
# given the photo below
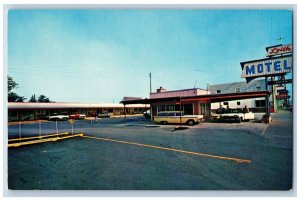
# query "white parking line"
(265, 129)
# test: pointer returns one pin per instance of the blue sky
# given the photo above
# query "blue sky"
(103, 55)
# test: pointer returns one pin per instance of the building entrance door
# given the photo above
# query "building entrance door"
(188, 109)
(205, 109)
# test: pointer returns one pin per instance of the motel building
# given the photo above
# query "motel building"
(254, 104)
(20, 111)
(202, 101)
(261, 91)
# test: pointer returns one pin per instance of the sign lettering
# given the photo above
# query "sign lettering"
(267, 67)
(280, 82)
(282, 91)
(281, 49)
(284, 96)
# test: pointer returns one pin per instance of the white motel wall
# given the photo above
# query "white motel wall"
(255, 104)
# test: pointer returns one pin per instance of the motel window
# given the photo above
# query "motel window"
(238, 103)
(237, 90)
(258, 88)
(218, 91)
(161, 108)
(205, 108)
(260, 103)
(188, 109)
(170, 107)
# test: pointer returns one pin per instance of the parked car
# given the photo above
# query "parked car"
(27, 117)
(173, 117)
(236, 115)
(77, 116)
(58, 117)
(105, 115)
(147, 114)
(215, 116)
(291, 108)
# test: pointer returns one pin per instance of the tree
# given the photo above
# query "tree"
(11, 83)
(43, 99)
(32, 99)
(13, 97)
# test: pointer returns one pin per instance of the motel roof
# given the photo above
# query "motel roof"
(26, 105)
(208, 97)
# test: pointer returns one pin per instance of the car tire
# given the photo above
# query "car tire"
(164, 122)
(190, 122)
(240, 119)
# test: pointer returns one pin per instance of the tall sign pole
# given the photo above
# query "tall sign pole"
(278, 62)
(267, 98)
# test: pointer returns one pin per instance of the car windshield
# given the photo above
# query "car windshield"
(238, 110)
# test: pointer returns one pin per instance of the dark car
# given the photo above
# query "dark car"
(147, 114)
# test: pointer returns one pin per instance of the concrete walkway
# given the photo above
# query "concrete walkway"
(280, 130)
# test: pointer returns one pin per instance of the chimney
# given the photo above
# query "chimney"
(160, 90)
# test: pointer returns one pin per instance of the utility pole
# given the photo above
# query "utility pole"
(196, 77)
(150, 83)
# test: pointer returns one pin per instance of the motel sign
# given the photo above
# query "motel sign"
(278, 63)
(267, 67)
(279, 49)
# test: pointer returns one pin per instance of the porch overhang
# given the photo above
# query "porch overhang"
(209, 98)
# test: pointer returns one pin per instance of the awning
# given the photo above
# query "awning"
(212, 98)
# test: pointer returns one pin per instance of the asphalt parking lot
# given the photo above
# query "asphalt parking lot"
(138, 155)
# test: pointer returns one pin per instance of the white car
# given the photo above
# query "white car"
(237, 115)
(105, 115)
(58, 117)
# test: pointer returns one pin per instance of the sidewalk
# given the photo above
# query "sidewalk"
(25, 122)
(87, 118)
(280, 129)
(116, 116)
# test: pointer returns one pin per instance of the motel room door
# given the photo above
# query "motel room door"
(153, 111)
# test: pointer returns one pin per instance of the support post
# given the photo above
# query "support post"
(267, 99)
(40, 129)
(125, 113)
(180, 112)
(20, 131)
(273, 97)
(151, 113)
(56, 127)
